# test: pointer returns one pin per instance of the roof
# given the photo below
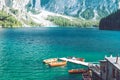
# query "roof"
(113, 61)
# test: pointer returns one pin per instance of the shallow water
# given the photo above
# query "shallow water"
(22, 51)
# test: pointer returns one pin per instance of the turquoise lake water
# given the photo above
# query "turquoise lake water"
(22, 51)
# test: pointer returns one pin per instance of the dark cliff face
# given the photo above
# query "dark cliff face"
(111, 22)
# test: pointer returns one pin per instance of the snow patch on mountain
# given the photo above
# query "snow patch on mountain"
(42, 18)
(2, 3)
(119, 5)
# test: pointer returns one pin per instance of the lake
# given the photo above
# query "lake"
(23, 50)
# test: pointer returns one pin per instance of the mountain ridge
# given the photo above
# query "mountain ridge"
(86, 9)
(82, 9)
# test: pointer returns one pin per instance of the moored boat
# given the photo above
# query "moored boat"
(50, 60)
(55, 64)
(77, 71)
(78, 59)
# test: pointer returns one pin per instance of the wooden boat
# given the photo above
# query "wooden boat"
(55, 64)
(78, 59)
(50, 60)
(77, 71)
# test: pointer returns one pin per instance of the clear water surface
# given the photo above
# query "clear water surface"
(22, 51)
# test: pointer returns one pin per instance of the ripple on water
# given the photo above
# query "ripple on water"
(23, 50)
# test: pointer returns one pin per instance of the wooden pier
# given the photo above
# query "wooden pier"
(75, 61)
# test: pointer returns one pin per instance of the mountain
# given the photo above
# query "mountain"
(86, 9)
(36, 12)
(111, 22)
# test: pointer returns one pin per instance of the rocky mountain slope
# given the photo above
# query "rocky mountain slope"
(26, 12)
(87, 9)
(30, 12)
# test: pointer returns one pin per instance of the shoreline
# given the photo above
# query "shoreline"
(51, 27)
